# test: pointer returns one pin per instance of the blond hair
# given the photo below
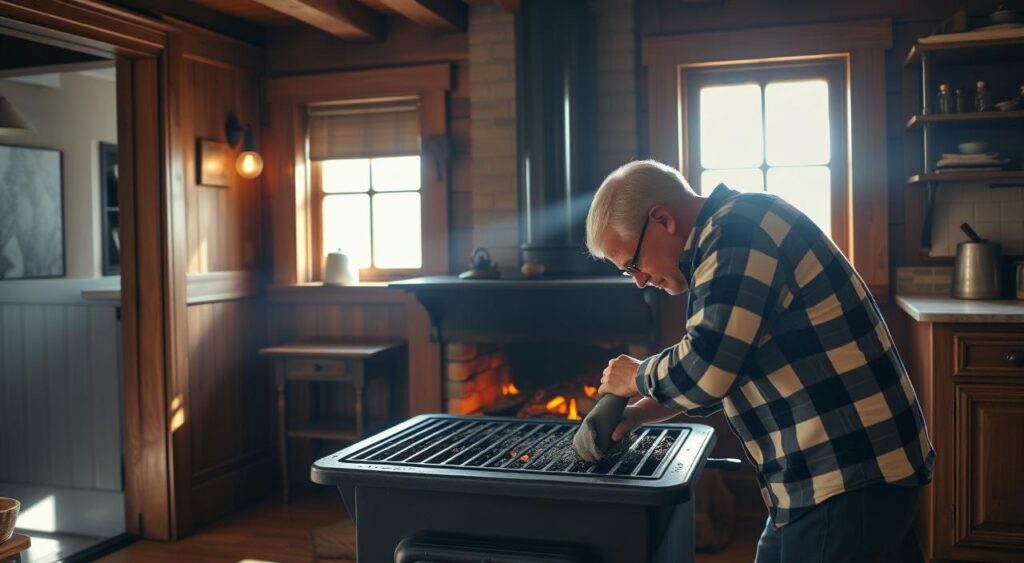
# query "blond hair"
(627, 194)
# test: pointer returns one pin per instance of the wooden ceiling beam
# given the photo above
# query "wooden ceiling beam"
(348, 19)
(439, 15)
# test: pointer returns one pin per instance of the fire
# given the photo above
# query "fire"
(573, 415)
(590, 390)
(557, 405)
(509, 389)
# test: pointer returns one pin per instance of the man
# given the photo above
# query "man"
(784, 336)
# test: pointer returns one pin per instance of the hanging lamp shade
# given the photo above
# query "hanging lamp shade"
(11, 123)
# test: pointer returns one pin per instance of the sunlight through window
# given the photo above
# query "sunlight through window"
(784, 149)
(730, 127)
(796, 123)
(372, 211)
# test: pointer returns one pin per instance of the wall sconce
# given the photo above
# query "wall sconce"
(249, 162)
(11, 122)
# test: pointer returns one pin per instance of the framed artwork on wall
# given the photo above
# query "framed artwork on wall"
(110, 210)
(214, 163)
(31, 213)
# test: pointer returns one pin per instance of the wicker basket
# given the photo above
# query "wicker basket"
(8, 516)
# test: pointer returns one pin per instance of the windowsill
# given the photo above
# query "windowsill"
(318, 292)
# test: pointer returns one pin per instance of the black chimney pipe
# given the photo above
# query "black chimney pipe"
(556, 118)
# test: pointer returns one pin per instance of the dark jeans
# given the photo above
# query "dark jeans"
(873, 524)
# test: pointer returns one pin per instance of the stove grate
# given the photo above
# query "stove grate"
(543, 446)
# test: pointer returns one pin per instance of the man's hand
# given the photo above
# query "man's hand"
(644, 411)
(619, 378)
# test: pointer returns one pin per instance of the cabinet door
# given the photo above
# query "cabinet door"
(989, 483)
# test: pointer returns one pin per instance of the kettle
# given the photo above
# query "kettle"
(976, 270)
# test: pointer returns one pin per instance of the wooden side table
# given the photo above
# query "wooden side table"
(353, 363)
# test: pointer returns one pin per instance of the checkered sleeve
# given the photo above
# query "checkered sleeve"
(734, 291)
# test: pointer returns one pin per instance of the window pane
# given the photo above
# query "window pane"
(808, 189)
(396, 173)
(347, 227)
(796, 122)
(740, 179)
(396, 231)
(730, 126)
(349, 175)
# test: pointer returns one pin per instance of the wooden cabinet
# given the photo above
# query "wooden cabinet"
(970, 380)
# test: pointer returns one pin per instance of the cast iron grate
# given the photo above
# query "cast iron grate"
(542, 446)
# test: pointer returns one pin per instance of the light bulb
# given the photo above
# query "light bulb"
(249, 164)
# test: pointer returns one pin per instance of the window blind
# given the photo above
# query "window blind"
(364, 128)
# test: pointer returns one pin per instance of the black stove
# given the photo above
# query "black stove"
(447, 489)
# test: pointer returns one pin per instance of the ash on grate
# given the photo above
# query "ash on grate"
(480, 453)
(635, 455)
(441, 443)
(520, 456)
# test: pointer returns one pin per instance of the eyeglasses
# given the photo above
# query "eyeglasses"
(632, 268)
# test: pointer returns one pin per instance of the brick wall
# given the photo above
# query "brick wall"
(492, 74)
(474, 375)
(494, 196)
(616, 83)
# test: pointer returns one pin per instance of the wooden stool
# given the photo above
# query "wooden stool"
(354, 363)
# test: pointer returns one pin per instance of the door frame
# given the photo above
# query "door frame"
(152, 277)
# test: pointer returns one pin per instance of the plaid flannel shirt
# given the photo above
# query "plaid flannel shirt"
(783, 334)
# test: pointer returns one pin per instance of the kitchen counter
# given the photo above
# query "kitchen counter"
(938, 309)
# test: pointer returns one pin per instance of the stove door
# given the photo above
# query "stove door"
(470, 549)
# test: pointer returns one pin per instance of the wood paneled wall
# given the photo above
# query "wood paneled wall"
(220, 401)
(60, 401)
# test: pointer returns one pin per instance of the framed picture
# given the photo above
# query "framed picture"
(214, 163)
(31, 213)
(109, 209)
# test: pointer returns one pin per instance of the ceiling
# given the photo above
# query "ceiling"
(358, 20)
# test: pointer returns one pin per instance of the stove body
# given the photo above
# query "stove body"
(452, 489)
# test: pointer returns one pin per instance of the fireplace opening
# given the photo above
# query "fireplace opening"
(525, 380)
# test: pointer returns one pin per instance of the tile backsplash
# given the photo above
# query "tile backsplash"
(995, 213)
(924, 280)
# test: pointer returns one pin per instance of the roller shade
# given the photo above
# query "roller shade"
(364, 128)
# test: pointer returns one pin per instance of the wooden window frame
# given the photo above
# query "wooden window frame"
(831, 69)
(861, 44)
(369, 274)
(295, 195)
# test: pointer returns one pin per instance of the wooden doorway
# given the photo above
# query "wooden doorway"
(151, 294)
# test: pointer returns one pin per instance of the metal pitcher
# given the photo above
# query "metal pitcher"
(976, 271)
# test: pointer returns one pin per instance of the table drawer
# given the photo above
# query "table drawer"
(989, 354)
(318, 369)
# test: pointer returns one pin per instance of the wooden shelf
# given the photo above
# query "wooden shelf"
(980, 119)
(967, 176)
(325, 429)
(967, 48)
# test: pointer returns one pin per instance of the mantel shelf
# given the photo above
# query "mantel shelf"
(980, 176)
(979, 119)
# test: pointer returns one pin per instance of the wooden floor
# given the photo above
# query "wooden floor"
(274, 532)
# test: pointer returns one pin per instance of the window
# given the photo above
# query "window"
(367, 184)
(778, 129)
(371, 210)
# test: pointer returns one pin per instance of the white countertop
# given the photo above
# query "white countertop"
(936, 309)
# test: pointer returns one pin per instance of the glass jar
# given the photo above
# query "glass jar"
(944, 103)
(982, 97)
(959, 101)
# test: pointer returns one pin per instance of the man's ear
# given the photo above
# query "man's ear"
(661, 215)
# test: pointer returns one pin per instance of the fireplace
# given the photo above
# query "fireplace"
(532, 348)
(524, 380)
